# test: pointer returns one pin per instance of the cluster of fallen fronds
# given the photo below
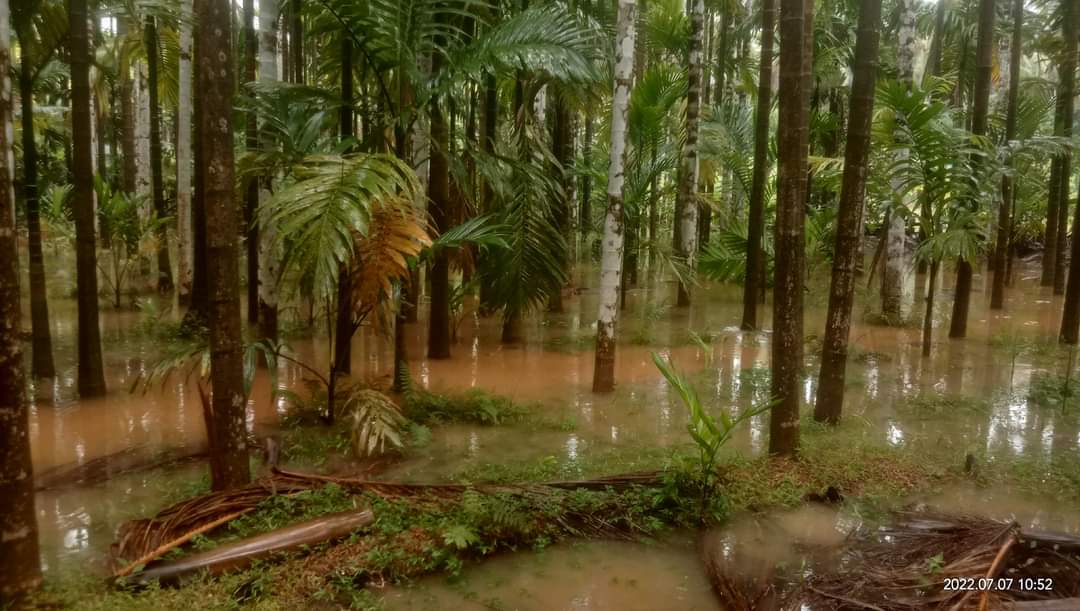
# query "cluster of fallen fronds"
(907, 566)
(559, 504)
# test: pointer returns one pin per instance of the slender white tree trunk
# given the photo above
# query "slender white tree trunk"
(612, 245)
(185, 267)
(540, 107)
(269, 257)
(892, 280)
(142, 139)
(688, 170)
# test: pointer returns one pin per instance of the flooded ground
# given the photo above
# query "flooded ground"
(892, 390)
(582, 576)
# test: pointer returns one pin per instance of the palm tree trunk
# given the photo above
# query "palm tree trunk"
(585, 216)
(91, 372)
(562, 148)
(198, 311)
(296, 41)
(268, 257)
(654, 218)
(183, 159)
(228, 454)
(892, 280)
(127, 120)
(284, 51)
(722, 50)
(755, 255)
(1068, 91)
(849, 220)
(251, 190)
(931, 69)
(441, 215)
(143, 180)
(344, 327)
(401, 359)
(1049, 258)
(20, 567)
(1060, 271)
(164, 279)
(984, 58)
(1070, 317)
(487, 145)
(41, 335)
(1004, 226)
(933, 55)
(199, 308)
(787, 344)
(688, 167)
(612, 245)
(928, 317)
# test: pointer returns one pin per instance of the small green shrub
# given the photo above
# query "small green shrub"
(472, 406)
(710, 435)
(947, 404)
(1051, 390)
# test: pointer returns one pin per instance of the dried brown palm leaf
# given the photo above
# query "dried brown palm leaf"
(397, 231)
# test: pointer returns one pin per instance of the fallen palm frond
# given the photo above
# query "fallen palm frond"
(138, 540)
(241, 554)
(923, 561)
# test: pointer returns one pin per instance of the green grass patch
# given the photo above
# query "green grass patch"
(931, 404)
(473, 406)
(1052, 390)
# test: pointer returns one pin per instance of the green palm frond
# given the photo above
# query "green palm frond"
(723, 259)
(963, 240)
(294, 120)
(532, 264)
(55, 205)
(547, 41)
(331, 199)
(533, 267)
(667, 30)
(41, 27)
(482, 231)
(727, 141)
(653, 104)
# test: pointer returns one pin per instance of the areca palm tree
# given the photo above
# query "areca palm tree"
(830, 396)
(611, 262)
(787, 345)
(40, 26)
(756, 209)
(20, 567)
(686, 204)
(226, 424)
(980, 110)
(91, 381)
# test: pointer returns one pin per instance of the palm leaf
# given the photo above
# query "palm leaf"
(546, 41)
(331, 200)
(395, 234)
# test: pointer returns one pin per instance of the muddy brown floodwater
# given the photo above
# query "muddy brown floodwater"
(553, 368)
